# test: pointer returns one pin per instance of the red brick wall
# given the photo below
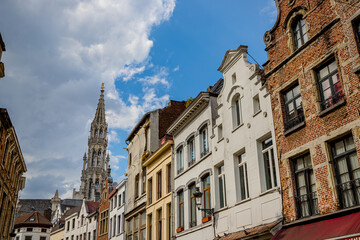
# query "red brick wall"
(339, 42)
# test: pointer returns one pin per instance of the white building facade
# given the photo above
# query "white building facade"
(246, 175)
(82, 224)
(117, 211)
(192, 132)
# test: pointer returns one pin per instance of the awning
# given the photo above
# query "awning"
(339, 228)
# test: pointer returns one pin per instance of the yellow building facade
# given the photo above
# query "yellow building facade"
(57, 235)
(159, 187)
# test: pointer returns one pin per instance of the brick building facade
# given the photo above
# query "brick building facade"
(12, 167)
(313, 78)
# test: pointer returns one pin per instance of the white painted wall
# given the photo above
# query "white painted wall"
(89, 225)
(193, 173)
(262, 206)
(36, 233)
(117, 208)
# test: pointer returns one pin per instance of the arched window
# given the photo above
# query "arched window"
(236, 111)
(101, 132)
(192, 200)
(96, 132)
(99, 158)
(299, 32)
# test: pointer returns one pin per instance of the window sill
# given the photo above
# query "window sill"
(243, 201)
(221, 209)
(180, 229)
(257, 113)
(220, 139)
(294, 129)
(236, 128)
(196, 163)
(332, 108)
(271, 190)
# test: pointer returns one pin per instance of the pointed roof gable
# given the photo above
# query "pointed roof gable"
(230, 55)
(91, 206)
(33, 219)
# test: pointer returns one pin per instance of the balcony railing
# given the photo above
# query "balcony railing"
(332, 100)
(307, 205)
(349, 193)
(295, 121)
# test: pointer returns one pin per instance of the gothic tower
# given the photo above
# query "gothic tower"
(96, 168)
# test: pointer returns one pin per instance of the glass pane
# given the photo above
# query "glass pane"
(325, 84)
(339, 147)
(143, 234)
(242, 182)
(299, 164)
(349, 143)
(291, 112)
(206, 181)
(312, 182)
(300, 177)
(267, 170)
(206, 199)
(288, 96)
(273, 167)
(327, 94)
(143, 218)
(323, 72)
(307, 160)
(332, 67)
(343, 170)
(296, 90)
(305, 35)
(221, 192)
(354, 162)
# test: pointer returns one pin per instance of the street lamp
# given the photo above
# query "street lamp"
(197, 194)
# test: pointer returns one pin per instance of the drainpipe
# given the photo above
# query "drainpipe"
(172, 192)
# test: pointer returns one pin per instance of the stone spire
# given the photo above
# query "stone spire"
(55, 201)
(94, 171)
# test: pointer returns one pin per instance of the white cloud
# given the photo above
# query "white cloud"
(270, 10)
(159, 77)
(58, 53)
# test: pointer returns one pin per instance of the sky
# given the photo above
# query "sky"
(147, 52)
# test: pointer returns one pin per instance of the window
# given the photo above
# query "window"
(181, 209)
(42, 238)
(130, 159)
(150, 191)
(222, 186)
(169, 221)
(180, 160)
(347, 171)
(119, 224)
(256, 104)
(169, 178)
(29, 229)
(204, 144)
(243, 177)
(236, 112)
(43, 230)
(233, 78)
(356, 25)
(68, 226)
(28, 237)
(269, 163)
(206, 194)
(73, 223)
(159, 223)
(306, 195)
(119, 199)
(294, 113)
(143, 180)
(220, 132)
(137, 185)
(159, 185)
(299, 32)
(329, 84)
(191, 151)
(192, 190)
(150, 226)
(103, 222)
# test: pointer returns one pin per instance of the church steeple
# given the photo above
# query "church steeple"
(95, 164)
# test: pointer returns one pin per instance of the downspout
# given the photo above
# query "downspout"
(172, 193)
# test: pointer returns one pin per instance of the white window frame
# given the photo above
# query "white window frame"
(236, 112)
(191, 151)
(204, 140)
(271, 163)
(180, 159)
(221, 175)
(241, 163)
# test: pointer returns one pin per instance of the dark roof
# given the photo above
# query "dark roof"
(34, 219)
(5, 118)
(2, 44)
(92, 206)
(30, 205)
(217, 87)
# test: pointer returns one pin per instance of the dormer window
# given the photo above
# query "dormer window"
(299, 32)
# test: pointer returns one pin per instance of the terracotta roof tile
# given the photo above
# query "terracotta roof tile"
(33, 219)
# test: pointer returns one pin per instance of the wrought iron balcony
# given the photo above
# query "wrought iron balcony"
(349, 193)
(307, 205)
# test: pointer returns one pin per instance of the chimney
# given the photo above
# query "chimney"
(47, 214)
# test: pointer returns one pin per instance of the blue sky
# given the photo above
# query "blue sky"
(146, 51)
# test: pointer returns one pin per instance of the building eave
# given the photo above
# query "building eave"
(196, 106)
(158, 152)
